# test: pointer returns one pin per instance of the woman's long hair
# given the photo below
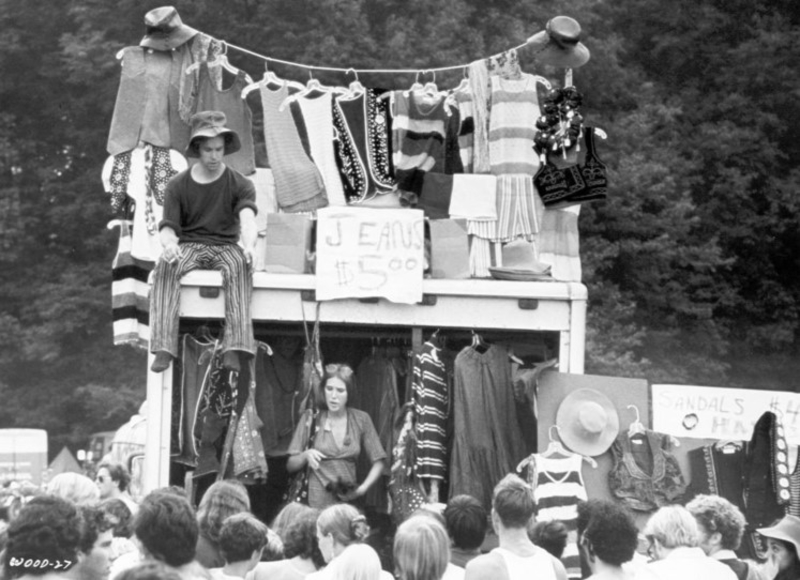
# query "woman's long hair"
(222, 499)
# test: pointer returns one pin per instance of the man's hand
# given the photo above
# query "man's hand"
(250, 256)
(172, 253)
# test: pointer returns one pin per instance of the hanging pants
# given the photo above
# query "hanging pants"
(237, 282)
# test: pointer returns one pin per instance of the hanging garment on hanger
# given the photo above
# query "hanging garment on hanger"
(432, 408)
(276, 399)
(249, 459)
(318, 115)
(466, 130)
(147, 102)
(203, 48)
(512, 118)
(649, 477)
(559, 243)
(196, 355)
(130, 307)
(419, 140)
(239, 117)
(298, 183)
(582, 182)
(766, 479)
(377, 396)
(140, 177)
(487, 442)
(558, 488)
(362, 123)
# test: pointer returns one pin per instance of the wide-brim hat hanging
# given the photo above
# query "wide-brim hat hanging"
(588, 422)
(165, 29)
(788, 530)
(212, 124)
(559, 44)
(520, 263)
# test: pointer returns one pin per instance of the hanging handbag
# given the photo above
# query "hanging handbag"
(298, 485)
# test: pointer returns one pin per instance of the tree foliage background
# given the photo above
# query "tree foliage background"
(691, 265)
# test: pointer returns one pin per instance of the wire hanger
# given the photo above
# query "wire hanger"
(270, 78)
(635, 428)
(356, 88)
(556, 448)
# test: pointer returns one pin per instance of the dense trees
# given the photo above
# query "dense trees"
(691, 264)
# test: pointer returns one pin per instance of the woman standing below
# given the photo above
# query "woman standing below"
(783, 541)
(340, 435)
(341, 531)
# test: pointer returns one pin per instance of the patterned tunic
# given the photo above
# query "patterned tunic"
(431, 405)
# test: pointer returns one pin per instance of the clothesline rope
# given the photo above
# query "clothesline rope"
(358, 70)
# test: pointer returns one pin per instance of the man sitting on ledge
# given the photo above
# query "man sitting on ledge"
(207, 208)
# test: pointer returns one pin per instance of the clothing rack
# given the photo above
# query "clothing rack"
(358, 70)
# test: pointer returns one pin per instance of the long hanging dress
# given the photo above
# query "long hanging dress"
(431, 406)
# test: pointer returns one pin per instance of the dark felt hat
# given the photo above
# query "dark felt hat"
(212, 124)
(165, 29)
(559, 44)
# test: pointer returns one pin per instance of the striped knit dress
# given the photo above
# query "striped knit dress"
(512, 128)
(557, 489)
(419, 131)
(298, 183)
(431, 405)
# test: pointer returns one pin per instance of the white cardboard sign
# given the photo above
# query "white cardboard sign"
(721, 413)
(366, 253)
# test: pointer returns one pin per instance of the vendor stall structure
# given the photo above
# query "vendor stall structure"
(552, 312)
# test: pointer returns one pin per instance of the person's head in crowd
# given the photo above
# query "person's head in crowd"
(421, 549)
(669, 528)
(356, 562)
(288, 513)
(220, 501)
(300, 536)
(166, 528)
(783, 547)
(339, 526)
(242, 540)
(47, 527)
(273, 551)
(119, 515)
(719, 522)
(512, 503)
(338, 384)
(94, 562)
(148, 570)
(75, 487)
(112, 479)
(606, 533)
(466, 522)
(550, 535)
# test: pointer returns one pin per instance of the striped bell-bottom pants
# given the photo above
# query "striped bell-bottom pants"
(237, 282)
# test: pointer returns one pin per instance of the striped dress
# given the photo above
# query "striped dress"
(558, 489)
(431, 405)
(512, 128)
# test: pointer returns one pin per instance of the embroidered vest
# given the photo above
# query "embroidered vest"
(576, 183)
(645, 488)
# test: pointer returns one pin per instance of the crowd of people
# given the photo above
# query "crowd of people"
(78, 529)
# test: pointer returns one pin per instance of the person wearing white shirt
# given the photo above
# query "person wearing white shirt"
(674, 548)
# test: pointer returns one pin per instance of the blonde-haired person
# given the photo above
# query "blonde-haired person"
(340, 436)
(220, 501)
(422, 549)
(75, 487)
(357, 562)
(674, 540)
(339, 527)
